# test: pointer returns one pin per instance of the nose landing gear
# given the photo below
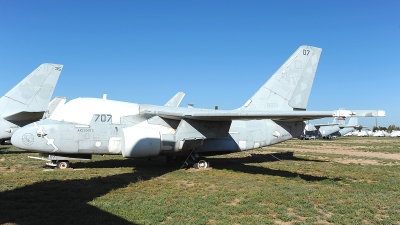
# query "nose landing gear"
(59, 164)
(60, 161)
(63, 164)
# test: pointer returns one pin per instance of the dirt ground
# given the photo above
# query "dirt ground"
(340, 152)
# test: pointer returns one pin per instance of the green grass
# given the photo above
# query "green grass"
(243, 188)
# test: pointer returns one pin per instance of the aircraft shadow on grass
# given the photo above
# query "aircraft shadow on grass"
(235, 164)
(66, 201)
(241, 165)
(8, 149)
(10, 152)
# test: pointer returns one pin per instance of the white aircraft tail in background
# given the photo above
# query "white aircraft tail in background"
(28, 100)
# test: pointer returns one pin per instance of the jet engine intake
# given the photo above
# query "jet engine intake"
(141, 141)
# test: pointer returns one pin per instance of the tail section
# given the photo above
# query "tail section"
(290, 86)
(176, 100)
(54, 105)
(339, 120)
(353, 121)
(33, 93)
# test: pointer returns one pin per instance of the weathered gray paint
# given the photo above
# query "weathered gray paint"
(28, 100)
(274, 114)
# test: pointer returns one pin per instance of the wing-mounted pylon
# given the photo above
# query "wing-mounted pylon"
(189, 134)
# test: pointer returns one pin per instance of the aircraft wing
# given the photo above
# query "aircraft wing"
(349, 126)
(227, 115)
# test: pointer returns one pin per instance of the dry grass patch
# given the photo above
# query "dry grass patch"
(264, 186)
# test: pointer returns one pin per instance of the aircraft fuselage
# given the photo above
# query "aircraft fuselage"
(119, 128)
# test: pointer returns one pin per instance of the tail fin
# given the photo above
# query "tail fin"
(54, 105)
(33, 93)
(339, 120)
(353, 121)
(176, 100)
(290, 86)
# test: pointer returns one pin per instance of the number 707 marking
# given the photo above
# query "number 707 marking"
(103, 117)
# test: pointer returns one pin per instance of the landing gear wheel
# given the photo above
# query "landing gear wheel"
(201, 163)
(63, 164)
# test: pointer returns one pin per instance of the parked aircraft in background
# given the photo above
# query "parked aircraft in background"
(28, 100)
(363, 133)
(395, 133)
(275, 113)
(55, 104)
(325, 130)
(381, 133)
(328, 130)
(369, 133)
(349, 127)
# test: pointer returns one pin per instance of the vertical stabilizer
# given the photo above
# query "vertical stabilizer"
(54, 105)
(353, 121)
(290, 86)
(176, 100)
(339, 120)
(33, 93)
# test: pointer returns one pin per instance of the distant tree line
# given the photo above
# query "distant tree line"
(389, 129)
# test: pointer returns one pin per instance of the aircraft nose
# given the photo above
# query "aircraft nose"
(24, 137)
(30, 138)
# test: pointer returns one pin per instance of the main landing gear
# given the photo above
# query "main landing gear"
(197, 161)
(201, 163)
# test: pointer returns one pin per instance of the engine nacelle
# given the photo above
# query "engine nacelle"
(141, 140)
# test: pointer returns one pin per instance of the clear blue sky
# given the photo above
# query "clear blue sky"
(217, 52)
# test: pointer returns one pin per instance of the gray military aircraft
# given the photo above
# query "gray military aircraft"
(28, 100)
(349, 127)
(327, 130)
(275, 113)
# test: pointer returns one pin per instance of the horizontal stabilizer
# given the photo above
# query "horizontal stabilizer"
(368, 113)
(325, 124)
(25, 116)
(349, 126)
